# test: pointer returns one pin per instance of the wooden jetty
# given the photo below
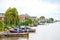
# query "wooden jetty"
(25, 35)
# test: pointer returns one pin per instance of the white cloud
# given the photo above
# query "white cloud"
(32, 7)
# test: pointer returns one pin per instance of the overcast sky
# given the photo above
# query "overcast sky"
(47, 8)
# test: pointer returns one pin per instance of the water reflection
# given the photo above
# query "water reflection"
(9, 38)
(46, 32)
(13, 38)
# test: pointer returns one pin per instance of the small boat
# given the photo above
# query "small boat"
(29, 30)
(22, 30)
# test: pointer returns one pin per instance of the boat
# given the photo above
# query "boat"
(22, 30)
(29, 30)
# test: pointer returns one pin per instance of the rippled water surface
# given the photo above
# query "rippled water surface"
(43, 32)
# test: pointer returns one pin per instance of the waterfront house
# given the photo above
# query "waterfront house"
(1, 16)
(41, 20)
(34, 18)
(23, 18)
(27, 16)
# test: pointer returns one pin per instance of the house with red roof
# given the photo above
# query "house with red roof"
(1, 16)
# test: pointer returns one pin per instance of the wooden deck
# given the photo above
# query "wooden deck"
(25, 35)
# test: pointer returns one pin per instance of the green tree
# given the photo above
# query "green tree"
(11, 16)
(25, 23)
(35, 22)
(51, 20)
(29, 21)
(42, 17)
(1, 25)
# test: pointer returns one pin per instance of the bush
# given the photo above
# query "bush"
(1, 25)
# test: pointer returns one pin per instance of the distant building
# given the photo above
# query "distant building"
(42, 20)
(1, 16)
(34, 18)
(27, 16)
(24, 16)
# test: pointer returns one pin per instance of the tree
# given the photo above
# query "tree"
(11, 16)
(29, 21)
(42, 17)
(1, 25)
(25, 23)
(51, 20)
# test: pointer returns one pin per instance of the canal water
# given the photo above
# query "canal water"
(43, 32)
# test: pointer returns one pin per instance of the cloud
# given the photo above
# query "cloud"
(52, 1)
(32, 7)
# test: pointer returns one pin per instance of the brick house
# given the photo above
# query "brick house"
(1, 16)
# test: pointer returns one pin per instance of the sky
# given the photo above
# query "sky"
(47, 8)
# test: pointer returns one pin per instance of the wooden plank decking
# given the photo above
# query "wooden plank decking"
(26, 35)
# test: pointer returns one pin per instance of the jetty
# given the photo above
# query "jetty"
(25, 35)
